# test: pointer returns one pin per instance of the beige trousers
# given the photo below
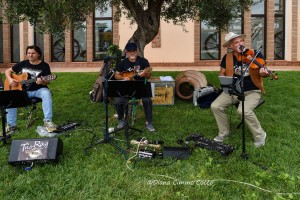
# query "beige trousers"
(225, 100)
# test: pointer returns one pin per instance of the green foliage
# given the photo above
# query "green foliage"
(115, 52)
(271, 172)
(219, 12)
(56, 16)
(49, 16)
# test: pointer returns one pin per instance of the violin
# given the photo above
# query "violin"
(255, 63)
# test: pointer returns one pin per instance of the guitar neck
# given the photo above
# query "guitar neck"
(25, 82)
(147, 69)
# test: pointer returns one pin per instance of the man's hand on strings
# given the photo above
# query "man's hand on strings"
(145, 74)
(41, 81)
(264, 72)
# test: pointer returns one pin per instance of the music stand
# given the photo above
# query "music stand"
(114, 90)
(11, 99)
(136, 89)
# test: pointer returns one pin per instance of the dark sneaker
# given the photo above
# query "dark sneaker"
(121, 124)
(50, 126)
(150, 127)
(10, 129)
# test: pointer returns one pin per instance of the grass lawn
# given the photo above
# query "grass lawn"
(271, 172)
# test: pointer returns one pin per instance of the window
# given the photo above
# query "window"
(236, 25)
(279, 27)
(58, 49)
(102, 33)
(39, 40)
(15, 43)
(79, 44)
(210, 43)
(258, 26)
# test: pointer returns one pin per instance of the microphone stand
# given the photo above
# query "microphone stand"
(107, 138)
(244, 155)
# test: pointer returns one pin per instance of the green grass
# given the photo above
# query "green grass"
(103, 173)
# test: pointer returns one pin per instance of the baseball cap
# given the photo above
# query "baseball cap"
(131, 46)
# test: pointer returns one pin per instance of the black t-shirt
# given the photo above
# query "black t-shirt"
(127, 66)
(33, 71)
(248, 84)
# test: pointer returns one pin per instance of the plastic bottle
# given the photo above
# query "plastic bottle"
(41, 131)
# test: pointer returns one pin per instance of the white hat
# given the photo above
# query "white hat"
(231, 36)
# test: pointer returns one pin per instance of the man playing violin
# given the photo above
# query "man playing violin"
(231, 65)
(137, 68)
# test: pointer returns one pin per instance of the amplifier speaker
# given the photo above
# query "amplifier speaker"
(177, 152)
(35, 150)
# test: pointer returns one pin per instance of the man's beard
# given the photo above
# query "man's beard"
(132, 57)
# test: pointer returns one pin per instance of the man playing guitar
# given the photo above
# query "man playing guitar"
(133, 67)
(36, 69)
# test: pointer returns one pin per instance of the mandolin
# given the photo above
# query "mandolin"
(135, 72)
(23, 80)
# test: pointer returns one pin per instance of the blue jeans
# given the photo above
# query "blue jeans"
(45, 95)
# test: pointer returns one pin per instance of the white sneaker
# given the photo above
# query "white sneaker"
(50, 126)
(261, 142)
(10, 129)
(219, 138)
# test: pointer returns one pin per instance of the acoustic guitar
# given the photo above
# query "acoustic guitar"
(23, 80)
(135, 72)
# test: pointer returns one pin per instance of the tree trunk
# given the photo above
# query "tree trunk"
(148, 22)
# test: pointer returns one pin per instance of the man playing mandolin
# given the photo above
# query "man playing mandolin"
(133, 67)
(36, 69)
(231, 65)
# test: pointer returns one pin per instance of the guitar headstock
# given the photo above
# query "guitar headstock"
(51, 77)
(148, 69)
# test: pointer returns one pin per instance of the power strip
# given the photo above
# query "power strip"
(66, 127)
(209, 144)
(146, 154)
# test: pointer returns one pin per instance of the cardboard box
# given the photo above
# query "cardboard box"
(163, 90)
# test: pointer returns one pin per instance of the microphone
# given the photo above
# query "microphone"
(242, 48)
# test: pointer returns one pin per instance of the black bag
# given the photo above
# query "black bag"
(205, 101)
(96, 94)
